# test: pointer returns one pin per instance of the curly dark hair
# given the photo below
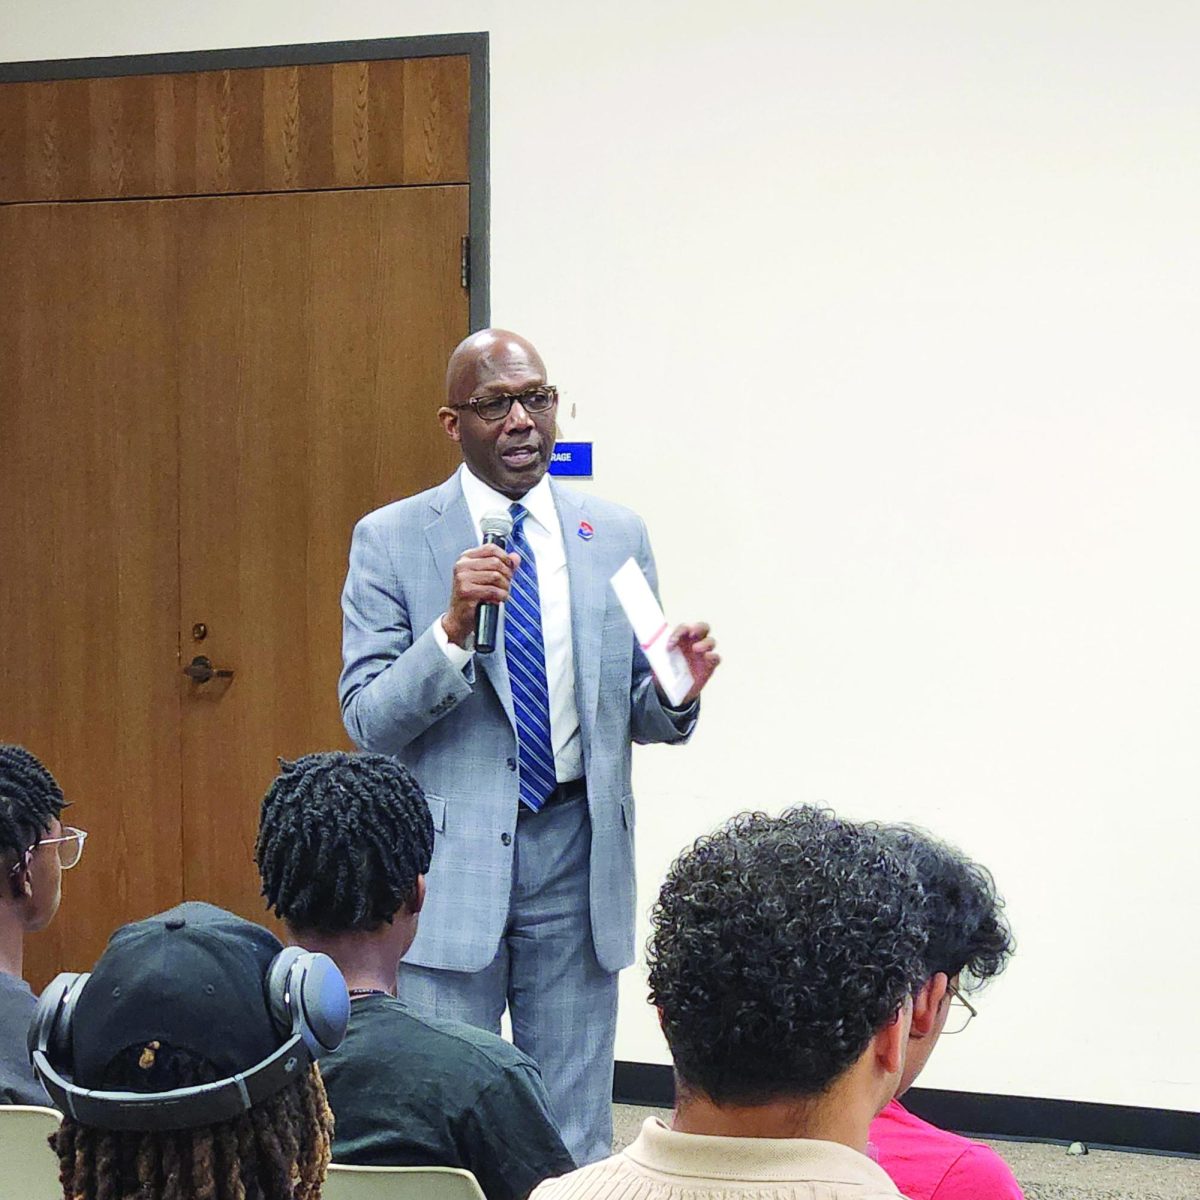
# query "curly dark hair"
(341, 841)
(780, 946)
(969, 935)
(278, 1150)
(30, 799)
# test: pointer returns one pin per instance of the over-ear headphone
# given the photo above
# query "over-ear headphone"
(309, 1005)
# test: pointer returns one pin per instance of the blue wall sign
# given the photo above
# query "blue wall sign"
(572, 458)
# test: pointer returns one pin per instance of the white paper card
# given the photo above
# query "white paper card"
(651, 630)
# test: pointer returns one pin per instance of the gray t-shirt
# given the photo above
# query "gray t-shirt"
(410, 1091)
(17, 1082)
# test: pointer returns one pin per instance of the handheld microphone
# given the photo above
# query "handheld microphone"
(496, 527)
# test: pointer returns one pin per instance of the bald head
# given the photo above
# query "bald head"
(510, 454)
(480, 358)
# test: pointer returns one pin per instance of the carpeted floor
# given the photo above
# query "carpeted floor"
(1045, 1171)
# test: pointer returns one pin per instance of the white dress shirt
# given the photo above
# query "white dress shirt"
(544, 534)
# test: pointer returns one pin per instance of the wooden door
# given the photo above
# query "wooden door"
(315, 331)
(226, 300)
(89, 585)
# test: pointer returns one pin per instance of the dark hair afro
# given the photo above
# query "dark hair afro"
(780, 946)
(964, 915)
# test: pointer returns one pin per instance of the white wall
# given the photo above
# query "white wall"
(884, 315)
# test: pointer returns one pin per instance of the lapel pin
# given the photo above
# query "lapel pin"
(586, 532)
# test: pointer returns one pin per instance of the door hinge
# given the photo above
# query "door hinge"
(464, 262)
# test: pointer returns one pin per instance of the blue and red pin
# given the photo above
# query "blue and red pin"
(586, 532)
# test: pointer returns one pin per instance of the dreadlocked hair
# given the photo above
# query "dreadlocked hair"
(277, 1150)
(30, 799)
(341, 841)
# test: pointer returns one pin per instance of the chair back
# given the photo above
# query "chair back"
(28, 1167)
(399, 1183)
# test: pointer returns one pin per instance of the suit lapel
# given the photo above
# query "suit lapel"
(450, 533)
(588, 599)
(495, 667)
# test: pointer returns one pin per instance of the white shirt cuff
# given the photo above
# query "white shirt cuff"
(456, 654)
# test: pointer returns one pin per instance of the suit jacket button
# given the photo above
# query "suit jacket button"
(511, 764)
(506, 839)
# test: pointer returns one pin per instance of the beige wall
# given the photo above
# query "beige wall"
(884, 315)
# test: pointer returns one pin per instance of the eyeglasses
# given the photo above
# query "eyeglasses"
(69, 848)
(496, 408)
(961, 1011)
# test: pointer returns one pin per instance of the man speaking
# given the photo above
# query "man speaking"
(524, 753)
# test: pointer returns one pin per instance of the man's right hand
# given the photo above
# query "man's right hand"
(483, 575)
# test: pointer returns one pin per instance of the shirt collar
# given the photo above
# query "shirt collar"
(482, 499)
(699, 1156)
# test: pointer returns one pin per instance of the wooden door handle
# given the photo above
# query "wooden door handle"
(201, 670)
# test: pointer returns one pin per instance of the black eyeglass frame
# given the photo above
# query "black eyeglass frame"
(509, 399)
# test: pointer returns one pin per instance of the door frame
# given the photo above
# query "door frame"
(473, 45)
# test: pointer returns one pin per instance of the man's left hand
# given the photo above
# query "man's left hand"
(699, 647)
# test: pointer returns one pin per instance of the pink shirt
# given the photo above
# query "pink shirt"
(927, 1163)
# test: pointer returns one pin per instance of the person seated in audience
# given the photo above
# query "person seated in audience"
(193, 996)
(344, 843)
(783, 958)
(34, 849)
(969, 942)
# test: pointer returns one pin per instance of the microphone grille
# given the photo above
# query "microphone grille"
(498, 524)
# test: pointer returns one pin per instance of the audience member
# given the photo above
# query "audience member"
(783, 959)
(344, 844)
(969, 943)
(185, 1063)
(34, 850)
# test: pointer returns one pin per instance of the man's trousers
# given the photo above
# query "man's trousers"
(562, 1004)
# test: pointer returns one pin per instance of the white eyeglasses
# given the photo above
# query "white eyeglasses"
(69, 848)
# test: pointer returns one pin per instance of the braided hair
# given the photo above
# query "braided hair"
(342, 839)
(277, 1150)
(30, 799)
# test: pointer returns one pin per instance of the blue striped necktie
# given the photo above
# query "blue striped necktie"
(525, 653)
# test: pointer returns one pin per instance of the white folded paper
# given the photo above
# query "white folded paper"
(651, 630)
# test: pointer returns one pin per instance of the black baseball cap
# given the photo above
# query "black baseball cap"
(191, 977)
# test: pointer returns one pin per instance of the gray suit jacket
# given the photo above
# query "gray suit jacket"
(455, 728)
